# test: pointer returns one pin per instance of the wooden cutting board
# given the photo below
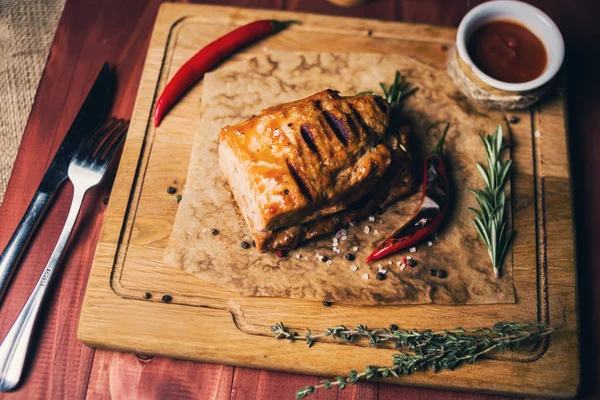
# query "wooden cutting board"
(123, 307)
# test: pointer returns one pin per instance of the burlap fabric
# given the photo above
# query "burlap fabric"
(27, 28)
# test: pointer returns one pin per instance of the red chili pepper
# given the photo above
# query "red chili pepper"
(432, 211)
(209, 56)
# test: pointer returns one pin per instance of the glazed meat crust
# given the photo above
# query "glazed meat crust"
(296, 166)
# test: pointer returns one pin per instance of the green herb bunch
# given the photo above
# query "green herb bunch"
(418, 350)
(489, 219)
(397, 92)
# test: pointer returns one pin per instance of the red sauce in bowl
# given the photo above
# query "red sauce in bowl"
(507, 51)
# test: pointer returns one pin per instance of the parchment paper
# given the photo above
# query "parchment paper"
(238, 91)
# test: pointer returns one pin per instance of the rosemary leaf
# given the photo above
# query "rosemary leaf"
(489, 219)
(397, 92)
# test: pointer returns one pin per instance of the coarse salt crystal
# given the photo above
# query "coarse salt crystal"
(340, 233)
(375, 232)
(298, 256)
(355, 248)
(365, 276)
(381, 222)
(399, 263)
(334, 248)
(367, 229)
(383, 271)
(306, 257)
(412, 249)
(344, 237)
(371, 218)
(409, 258)
(329, 262)
(538, 134)
(354, 268)
(338, 251)
(379, 266)
(403, 267)
(352, 223)
(390, 263)
(430, 243)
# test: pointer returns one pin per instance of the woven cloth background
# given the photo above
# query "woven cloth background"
(27, 28)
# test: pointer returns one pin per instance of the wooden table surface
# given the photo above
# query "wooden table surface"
(91, 32)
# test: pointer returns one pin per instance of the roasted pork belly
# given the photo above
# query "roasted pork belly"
(303, 169)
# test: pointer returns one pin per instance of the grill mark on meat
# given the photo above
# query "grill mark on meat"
(381, 103)
(338, 127)
(299, 180)
(309, 139)
(352, 125)
(360, 120)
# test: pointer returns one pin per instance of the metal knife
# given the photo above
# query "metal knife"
(92, 112)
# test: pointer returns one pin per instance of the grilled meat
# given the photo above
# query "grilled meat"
(301, 169)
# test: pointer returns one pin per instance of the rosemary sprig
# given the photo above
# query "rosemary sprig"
(396, 93)
(435, 350)
(489, 219)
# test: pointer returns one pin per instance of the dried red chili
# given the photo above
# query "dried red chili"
(211, 55)
(434, 202)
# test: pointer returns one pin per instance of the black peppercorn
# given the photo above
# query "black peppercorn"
(324, 259)
(411, 263)
(349, 256)
(514, 119)
(432, 272)
(171, 190)
(245, 245)
(214, 231)
(442, 273)
(147, 295)
(166, 298)
(393, 327)
(327, 303)
(253, 243)
(286, 191)
(105, 200)
(380, 276)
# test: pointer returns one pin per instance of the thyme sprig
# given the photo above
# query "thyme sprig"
(489, 219)
(421, 350)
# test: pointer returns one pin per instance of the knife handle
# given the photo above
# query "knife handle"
(19, 240)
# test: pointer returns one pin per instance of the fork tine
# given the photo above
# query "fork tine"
(86, 148)
(122, 134)
(113, 136)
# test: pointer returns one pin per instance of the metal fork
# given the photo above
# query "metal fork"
(85, 171)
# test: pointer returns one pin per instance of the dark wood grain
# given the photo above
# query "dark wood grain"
(91, 32)
(127, 376)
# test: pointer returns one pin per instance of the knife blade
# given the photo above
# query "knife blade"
(91, 114)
